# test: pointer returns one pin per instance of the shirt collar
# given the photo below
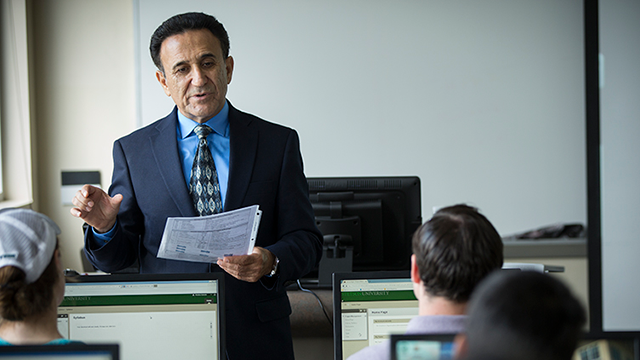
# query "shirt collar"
(219, 123)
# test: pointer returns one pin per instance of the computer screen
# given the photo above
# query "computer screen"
(422, 347)
(61, 352)
(151, 316)
(608, 346)
(373, 216)
(368, 307)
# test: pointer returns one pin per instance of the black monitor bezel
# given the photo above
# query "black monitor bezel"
(337, 310)
(219, 277)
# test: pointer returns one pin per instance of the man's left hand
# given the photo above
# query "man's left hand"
(249, 267)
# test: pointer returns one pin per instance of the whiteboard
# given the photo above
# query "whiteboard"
(620, 164)
(484, 100)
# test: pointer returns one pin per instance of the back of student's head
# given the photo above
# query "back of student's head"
(28, 272)
(455, 250)
(523, 315)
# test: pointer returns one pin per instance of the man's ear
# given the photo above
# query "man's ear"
(460, 346)
(163, 81)
(415, 272)
(228, 62)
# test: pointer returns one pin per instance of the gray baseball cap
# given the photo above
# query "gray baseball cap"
(27, 241)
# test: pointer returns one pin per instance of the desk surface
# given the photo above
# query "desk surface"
(307, 318)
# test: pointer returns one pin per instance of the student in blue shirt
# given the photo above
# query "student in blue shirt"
(31, 279)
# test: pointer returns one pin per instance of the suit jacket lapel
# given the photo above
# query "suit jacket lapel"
(244, 144)
(164, 146)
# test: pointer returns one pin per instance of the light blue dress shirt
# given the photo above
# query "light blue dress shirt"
(218, 141)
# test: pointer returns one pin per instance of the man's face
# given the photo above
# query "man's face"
(195, 74)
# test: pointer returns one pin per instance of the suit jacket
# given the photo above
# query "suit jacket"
(265, 168)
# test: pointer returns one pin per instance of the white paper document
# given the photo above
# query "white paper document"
(208, 238)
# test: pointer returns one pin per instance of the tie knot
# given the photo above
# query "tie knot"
(202, 131)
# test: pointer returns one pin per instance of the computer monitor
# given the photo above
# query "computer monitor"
(368, 307)
(608, 346)
(61, 352)
(151, 316)
(367, 222)
(422, 347)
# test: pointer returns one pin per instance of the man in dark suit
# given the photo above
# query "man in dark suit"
(256, 162)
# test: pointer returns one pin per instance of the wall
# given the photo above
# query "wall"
(84, 81)
(484, 100)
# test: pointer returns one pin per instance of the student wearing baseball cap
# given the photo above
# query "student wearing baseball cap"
(31, 278)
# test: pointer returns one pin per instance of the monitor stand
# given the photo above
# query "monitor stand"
(337, 257)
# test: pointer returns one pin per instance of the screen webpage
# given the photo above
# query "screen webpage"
(373, 309)
(150, 320)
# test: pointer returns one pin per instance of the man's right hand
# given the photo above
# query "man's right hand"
(96, 207)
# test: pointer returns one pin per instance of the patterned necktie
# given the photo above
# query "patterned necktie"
(204, 187)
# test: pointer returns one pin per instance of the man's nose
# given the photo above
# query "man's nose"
(198, 77)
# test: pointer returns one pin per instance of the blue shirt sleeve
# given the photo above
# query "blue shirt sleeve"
(103, 238)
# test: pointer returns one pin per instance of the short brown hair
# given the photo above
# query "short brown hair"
(455, 250)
